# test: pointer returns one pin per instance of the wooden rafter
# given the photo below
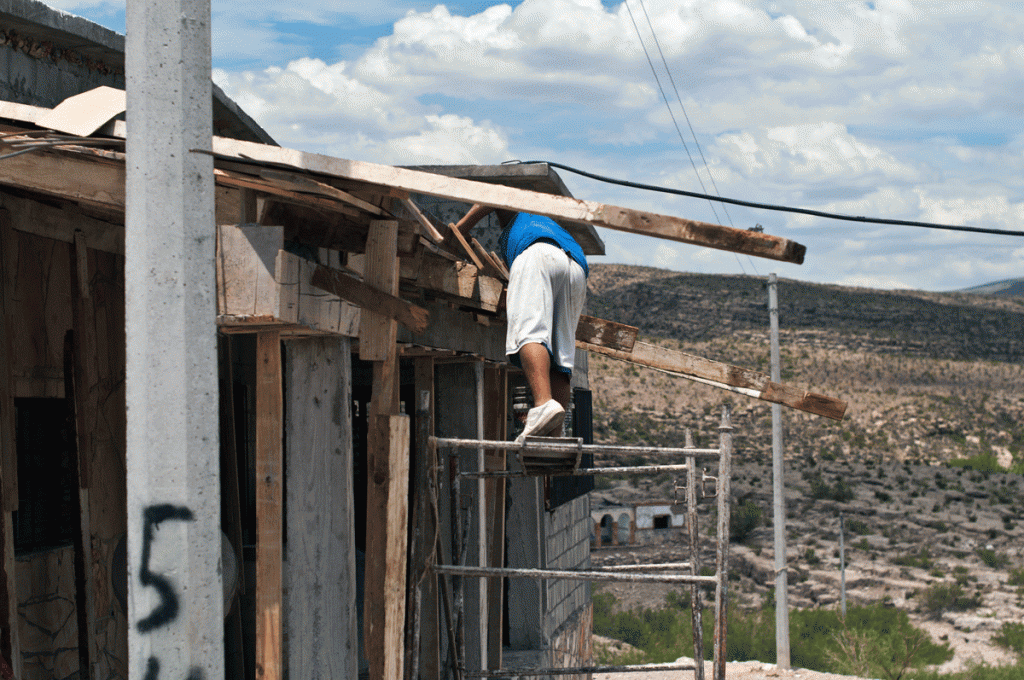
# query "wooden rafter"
(699, 369)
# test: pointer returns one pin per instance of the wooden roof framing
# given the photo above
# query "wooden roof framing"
(326, 205)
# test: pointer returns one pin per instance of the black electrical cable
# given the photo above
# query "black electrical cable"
(769, 206)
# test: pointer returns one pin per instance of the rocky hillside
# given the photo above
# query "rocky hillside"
(929, 378)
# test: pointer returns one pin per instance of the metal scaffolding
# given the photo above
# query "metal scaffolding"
(545, 456)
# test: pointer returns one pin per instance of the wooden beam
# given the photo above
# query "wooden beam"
(724, 376)
(269, 497)
(306, 184)
(377, 331)
(495, 419)
(358, 293)
(456, 241)
(605, 333)
(429, 229)
(234, 179)
(10, 646)
(460, 281)
(555, 207)
(74, 175)
(8, 450)
(61, 224)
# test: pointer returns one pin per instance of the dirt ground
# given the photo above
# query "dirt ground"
(746, 670)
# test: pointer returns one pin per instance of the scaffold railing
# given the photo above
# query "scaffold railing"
(544, 456)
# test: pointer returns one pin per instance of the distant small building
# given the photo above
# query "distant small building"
(646, 523)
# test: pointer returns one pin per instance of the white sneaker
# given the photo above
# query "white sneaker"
(542, 420)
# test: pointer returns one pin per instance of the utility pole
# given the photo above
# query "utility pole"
(175, 603)
(778, 492)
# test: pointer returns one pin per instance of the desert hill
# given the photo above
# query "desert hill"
(929, 377)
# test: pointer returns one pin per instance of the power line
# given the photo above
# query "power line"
(778, 208)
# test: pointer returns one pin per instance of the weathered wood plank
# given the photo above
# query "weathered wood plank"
(457, 243)
(269, 519)
(426, 225)
(606, 333)
(60, 224)
(425, 603)
(234, 179)
(397, 520)
(724, 376)
(320, 610)
(79, 176)
(555, 207)
(377, 331)
(304, 183)
(453, 329)
(355, 291)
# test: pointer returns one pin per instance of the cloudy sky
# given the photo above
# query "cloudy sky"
(904, 110)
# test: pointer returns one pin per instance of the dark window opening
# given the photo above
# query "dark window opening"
(561, 490)
(662, 521)
(46, 475)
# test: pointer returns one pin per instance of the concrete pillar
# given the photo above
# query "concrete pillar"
(175, 609)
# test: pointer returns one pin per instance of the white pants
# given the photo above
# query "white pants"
(546, 292)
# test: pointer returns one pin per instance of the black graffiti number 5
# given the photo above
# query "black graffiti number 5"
(167, 610)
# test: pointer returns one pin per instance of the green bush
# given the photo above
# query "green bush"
(944, 597)
(1016, 577)
(921, 559)
(983, 462)
(858, 527)
(839, 491)
(992, 559)
(1011, 636)
(743, 519)
(815, 635)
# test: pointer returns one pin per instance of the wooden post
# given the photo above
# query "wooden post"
(320, 611)
(387, 457)
(428, 663)
(10, 649)
(80, 376)
(269, 519)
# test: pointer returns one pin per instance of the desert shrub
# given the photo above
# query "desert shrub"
(1011, 636)
(944, 597)
(992, 559)
(1016, 577)
(839, 491)
(921, 559)
(983, 462)
(883, 496)
(743, 519)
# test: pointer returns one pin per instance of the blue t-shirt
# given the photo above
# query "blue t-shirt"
(527, 229)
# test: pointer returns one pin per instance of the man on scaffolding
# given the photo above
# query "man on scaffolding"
(546, 290)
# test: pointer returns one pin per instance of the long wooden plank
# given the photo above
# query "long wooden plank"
(269, 496)
(320, 612)
(355, 291)
(605, 333)
(234, 179)
(555, 207)
(724, 376)
(397, 519)
(303, 183)
(79, 175)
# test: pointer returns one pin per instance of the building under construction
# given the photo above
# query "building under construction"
(213, 481)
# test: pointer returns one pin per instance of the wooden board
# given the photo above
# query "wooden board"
(724, 376)
(269, 498)
(555, 207)
(397, 519)
(425, 601)
(355, 291)
(61, 224)
(606, 333)
(258, 283)
(81, 176)
(321, 600)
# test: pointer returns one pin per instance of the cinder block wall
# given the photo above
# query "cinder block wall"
(568, 547)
